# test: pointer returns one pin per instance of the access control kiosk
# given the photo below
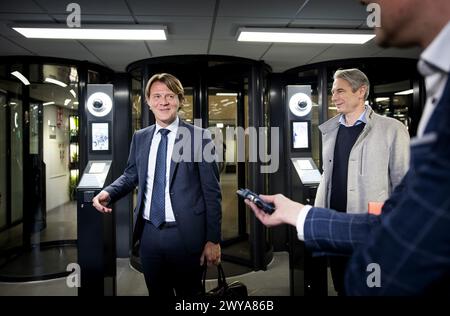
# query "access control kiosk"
(96, 231)
(96, 253)
(307, 275)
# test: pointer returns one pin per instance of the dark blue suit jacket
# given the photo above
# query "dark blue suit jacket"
(410, 241)
(194, 185)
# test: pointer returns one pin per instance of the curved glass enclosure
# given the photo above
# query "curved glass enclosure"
(40, 163)
(226, 95)
(396, 90)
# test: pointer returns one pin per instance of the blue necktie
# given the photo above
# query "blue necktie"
(158, 206)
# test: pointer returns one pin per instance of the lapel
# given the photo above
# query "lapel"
(437, 121)
(370, 116)
(436, 127)
(174, 164)
(146, 143)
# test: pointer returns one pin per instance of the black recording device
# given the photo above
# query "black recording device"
(268, 208)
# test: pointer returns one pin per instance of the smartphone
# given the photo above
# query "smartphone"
(269, 208)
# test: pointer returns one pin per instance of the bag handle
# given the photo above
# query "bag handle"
(221, 279)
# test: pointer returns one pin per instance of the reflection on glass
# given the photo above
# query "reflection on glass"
(34, 128)
(56, 89)
(93, 76)
(310, 77)
(394, 100)
(390, 96)
(73, 154)
(73, 161)
(186, 112)
(16, 138)
(222, 117)
(3, 160)
(73, 127)
(136, 102)
(136, 112)
(49, 105)
(11, 158)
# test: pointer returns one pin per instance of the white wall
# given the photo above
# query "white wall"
(56, 158)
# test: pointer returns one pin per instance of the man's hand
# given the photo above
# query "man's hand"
(286, 210)
(100, 201)
(212, 254)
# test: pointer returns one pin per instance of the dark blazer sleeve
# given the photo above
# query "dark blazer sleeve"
(328, 232)
(209, 178)
(128, 180)
(412, 244)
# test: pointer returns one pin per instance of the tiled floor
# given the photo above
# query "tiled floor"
(61, 224)
(273, 282)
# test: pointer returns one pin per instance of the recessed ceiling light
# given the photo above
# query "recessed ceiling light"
(138, 32)
(313, 36)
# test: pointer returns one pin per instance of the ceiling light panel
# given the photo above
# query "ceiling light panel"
(315, 36)
(105, 33)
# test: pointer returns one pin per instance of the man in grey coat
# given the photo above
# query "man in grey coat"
(365, 155)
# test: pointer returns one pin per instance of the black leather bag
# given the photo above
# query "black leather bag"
(231, 290)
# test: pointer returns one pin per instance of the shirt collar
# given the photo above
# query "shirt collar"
(435, 57)
(173, 127)
(361, 119)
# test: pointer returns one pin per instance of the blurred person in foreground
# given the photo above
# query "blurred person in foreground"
(410, 240)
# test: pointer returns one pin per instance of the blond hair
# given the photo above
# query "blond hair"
(170, 81)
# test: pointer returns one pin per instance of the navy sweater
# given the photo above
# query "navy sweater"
(345, 140)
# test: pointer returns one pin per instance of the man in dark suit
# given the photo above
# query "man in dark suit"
(409, 244)
(178, 212)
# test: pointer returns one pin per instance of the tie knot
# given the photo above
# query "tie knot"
(164, 131)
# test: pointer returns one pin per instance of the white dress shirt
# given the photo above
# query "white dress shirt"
(434, 65)
(151, 169)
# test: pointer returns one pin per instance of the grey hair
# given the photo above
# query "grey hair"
(355, 77)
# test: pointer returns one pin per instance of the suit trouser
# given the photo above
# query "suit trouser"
(169, 269)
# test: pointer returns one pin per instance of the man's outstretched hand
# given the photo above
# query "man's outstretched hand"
(100, 202)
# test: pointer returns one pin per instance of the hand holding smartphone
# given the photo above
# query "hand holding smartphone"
(268, 208)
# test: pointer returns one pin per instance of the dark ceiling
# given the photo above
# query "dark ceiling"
(194, 27)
